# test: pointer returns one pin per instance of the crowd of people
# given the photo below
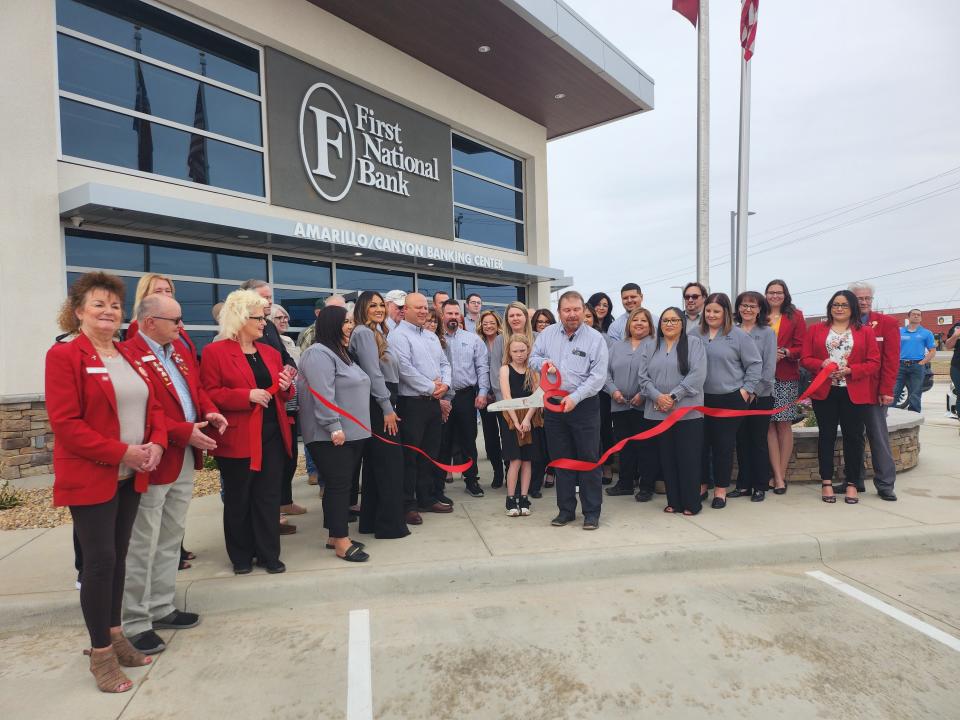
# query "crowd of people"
(132, 419)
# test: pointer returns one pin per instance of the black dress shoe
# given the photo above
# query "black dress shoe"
(888, 495)
(590, 523)
(758, 496)
(536, 495)
(607, 480)
(273, 567)
(497, 483)
(242, 569)
(561, 520)
(738, 492)
(643, 496)
(718, 503)
(618, 490)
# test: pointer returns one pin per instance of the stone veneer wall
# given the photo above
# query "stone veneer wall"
(26, 442)
(804, 466)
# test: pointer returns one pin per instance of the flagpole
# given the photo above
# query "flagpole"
(743, 180)
(703, 144)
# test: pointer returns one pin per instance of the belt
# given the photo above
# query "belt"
(417, 397)
(909, 362)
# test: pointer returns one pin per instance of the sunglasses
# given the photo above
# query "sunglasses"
(692, 297)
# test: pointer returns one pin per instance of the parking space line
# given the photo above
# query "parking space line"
(359, 683)
(919, 625)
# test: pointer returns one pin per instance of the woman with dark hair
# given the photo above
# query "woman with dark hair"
(490, 330)
(433, 325)
(752, 453)
(637, 462)
(336, 445)
(381, 512)
(603, 308)
(671, 376)
(733, 373)
(111, 433)
(542, 319)
(843, 340)
(591, 318)
(788, 323)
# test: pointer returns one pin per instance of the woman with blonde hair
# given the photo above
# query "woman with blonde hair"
(518, 380)
(155, 284)
(247, 380)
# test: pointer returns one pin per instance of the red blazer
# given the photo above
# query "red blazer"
(790, 336)
(178, 429)
(864, 362)
(227, 377)
(134, 329)
(82, 408)
(887, 331)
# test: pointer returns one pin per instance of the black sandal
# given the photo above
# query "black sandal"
(827, 498)
(331, 546)
(354, 553)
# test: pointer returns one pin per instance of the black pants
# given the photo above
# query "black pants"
(681, 448)
(720, 437)
(290, 464)
(251, 503)
(576, 435)
(420, 427)
(491, 442)
(339, 463)
(837, 408)
(606, 426)
(640, 459)
(538, 466)
(753, 455)
(103, 532)
(381, 511)
(460, 430)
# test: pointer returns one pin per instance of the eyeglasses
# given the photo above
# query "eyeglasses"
(840, 306)
(749, 307)
(670, 321)
(282, 318)
(866, 297)
(175, 321)
(692, 297)
(775, 292)
(257, 318)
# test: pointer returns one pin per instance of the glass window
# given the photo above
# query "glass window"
(498, 294)
(100, 135)
(487, 196)
(428, 285)
(94, 251)
(177, 260)
(129, 282)
(351, 277)
(201, 338)
(104, 75)
(487, 229)
(239, 267)
(224, 290)
(299, 304)
(196, 301)
(151, 31)
(310, 273)
(480, 159)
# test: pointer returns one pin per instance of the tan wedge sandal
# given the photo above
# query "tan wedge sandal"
(127, 654)
(106, 671)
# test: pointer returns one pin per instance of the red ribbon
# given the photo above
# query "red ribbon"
(674, 417)
(343, 413)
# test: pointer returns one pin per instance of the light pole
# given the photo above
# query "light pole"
(738, 258)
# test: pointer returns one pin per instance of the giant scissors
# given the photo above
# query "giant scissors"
(539, 398)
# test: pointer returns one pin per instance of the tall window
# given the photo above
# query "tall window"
(149, 91)
(488, 203)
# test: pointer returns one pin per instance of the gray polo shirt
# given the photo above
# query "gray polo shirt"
(469, 364)
(581, 358)
(495, 360)
(363, 348)
(344, 384)
(420, 359)
(766, 340)
(733, 362)
(660, 375)
(623, 371)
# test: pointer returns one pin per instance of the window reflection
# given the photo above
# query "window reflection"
(310, 273)
(351, 277)
(482, 160)
(487, 229)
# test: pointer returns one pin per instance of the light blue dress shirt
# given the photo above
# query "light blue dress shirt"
(420, 359)
(581, 358)
(165, 356)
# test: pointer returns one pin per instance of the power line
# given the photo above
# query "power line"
(875, 277)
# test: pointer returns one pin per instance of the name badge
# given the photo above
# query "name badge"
(579, 353)
(96, 370)
(148, 358)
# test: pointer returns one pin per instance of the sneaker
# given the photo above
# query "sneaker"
(524, 505)
(177, 620)
(512, 509)
(473, 489)
(444, 500)
(148, 642)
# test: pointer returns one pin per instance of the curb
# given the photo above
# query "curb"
(358, 584)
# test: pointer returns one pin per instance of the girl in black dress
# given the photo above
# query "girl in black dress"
(517, 380)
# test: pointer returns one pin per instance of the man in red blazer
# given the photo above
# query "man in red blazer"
(151, 575)
(887, 330)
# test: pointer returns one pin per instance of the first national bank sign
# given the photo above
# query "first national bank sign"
(340, 150)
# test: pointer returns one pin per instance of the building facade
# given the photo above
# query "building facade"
(324, 145)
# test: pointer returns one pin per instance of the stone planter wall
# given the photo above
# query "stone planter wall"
(26, 442)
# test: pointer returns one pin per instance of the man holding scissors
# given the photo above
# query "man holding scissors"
(579, 354)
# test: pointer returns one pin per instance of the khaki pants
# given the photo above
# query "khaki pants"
(154, 554)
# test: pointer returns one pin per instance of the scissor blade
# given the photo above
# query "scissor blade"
(532, 401)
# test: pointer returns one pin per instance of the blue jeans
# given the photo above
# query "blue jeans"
(910, 376)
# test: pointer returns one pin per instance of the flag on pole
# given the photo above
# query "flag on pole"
(748, 26)
(690, 9)
(198, 166)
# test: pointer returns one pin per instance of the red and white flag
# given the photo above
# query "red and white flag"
(748, 26)
(690, 9)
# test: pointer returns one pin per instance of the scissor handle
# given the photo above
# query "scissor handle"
(551, 389)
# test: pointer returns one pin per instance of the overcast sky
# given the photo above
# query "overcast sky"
(850, 100)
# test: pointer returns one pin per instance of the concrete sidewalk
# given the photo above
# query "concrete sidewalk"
(478, 546)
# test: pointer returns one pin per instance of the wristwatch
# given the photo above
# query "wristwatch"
(673, 397)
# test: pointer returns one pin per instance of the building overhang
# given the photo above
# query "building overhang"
(117, 208)
(543, 60)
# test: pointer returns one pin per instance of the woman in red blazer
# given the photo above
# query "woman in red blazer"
(788, 323)
(109, 433)
(841, 339)
(246, 379)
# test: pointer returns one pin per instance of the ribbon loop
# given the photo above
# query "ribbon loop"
(551, 389)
